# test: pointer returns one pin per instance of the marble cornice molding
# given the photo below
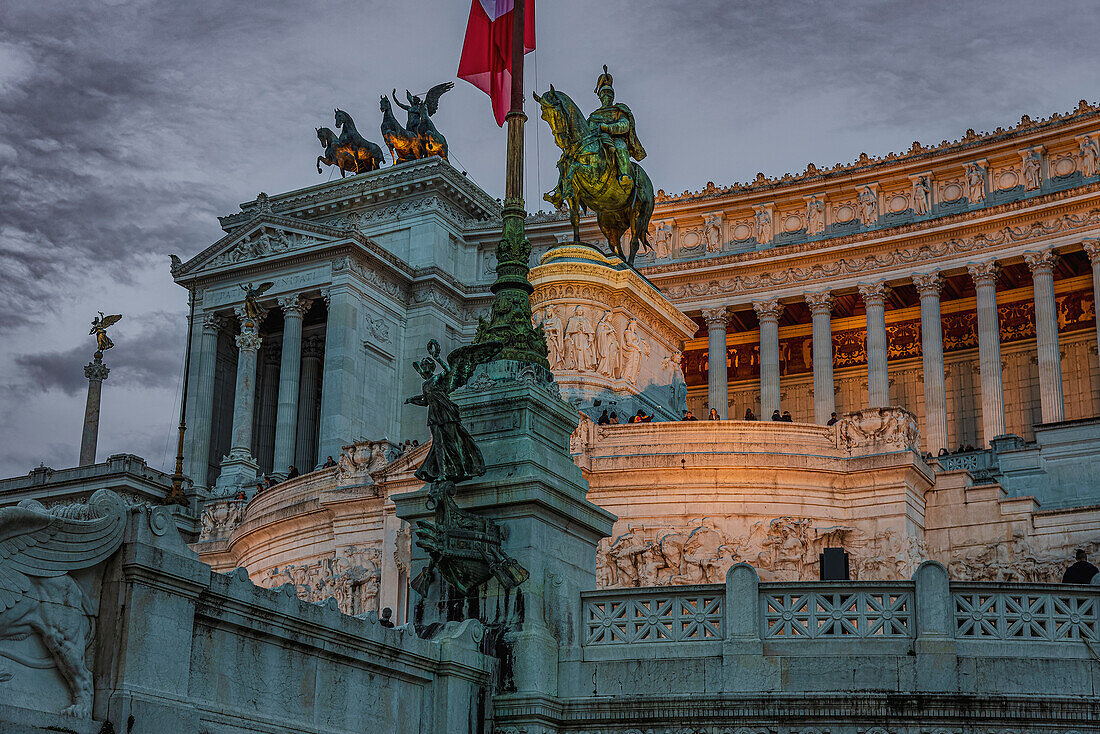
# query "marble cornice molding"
(1057, 126)
(390, 182)
(913, 234)
(887, 262)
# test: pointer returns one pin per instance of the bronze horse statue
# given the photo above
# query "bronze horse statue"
(351, 151)
(333, 156)
(404, 146)
(420, 123)
(588, 178)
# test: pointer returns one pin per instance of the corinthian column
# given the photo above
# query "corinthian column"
(717, 378)
(199, 461)
(929, 286)
(239, 467)
(878, 379)
(286, 424)
(768, 312)
(1046, 334)
(821, 308)
(1092, 249)
(305, 442)
(989, 349)
(96, 372)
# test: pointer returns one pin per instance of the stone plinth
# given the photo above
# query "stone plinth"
(611, 335)
(534, 489)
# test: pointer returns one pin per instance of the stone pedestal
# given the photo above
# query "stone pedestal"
(535, 491)
(611, 335)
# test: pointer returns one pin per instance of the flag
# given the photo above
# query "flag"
(487, 52)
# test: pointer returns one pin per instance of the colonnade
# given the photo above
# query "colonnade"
(929, 286)
(290, 403)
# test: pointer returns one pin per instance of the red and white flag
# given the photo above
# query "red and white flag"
(487, 52)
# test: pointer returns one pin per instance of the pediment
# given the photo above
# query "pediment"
(266, 237)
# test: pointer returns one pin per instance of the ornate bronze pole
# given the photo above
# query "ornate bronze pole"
(175, 495)
(510, 319)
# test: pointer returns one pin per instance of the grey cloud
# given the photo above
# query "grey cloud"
(148, 355)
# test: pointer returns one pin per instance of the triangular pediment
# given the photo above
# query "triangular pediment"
(266, 237)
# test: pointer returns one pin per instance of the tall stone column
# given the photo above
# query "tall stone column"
(768, 312)
(305, 440)
(263, 441)
(989, 349)
(717, 377)
(342, 382)
(239, 467)
(203, 422)
(96, 372)
(1092, 249)
(929, 286)
(1046, 334)
(290, 371)
(821, 308)
(878, 378)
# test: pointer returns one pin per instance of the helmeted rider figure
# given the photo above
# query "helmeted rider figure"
(616, 125)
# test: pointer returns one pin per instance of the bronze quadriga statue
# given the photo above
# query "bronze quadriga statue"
(349, 151)
(419, 137)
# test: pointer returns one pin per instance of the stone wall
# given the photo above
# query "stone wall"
(914, 656)
(157, 642)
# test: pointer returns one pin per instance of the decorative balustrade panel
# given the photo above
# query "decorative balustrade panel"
(670, 616)
(807, 614)
(1027, 615)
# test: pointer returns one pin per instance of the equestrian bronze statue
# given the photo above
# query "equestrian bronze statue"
(595, 170)
(349, 151)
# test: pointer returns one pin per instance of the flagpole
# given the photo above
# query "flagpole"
(513, 186)
(510, 319)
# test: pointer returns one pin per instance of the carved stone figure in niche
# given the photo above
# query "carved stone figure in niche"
(634, 346)
(39, 548)
(763, 222)
(975, 183)
(922, 196)
(453, 455)
(551, 325)
(578, 342)
(607, 347)
(712, 233)
(868, 206)
(662, 241)
(1089, 157)
(815, 216)
(1032, 175)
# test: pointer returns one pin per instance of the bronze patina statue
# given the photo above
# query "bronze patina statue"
(453, 455)
(252, 308)
(350, 152)
(464, 547)
(419, 138)
(595, 171)
(99, 328)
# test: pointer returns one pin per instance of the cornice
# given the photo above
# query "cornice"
(871, 256)
(924, 155)
(389, 183)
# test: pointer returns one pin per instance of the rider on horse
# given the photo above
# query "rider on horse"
(616, 125)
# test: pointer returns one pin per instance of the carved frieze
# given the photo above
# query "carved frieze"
(265, 242)
(351, 576)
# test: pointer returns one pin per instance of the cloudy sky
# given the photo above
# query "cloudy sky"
(127, 127)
